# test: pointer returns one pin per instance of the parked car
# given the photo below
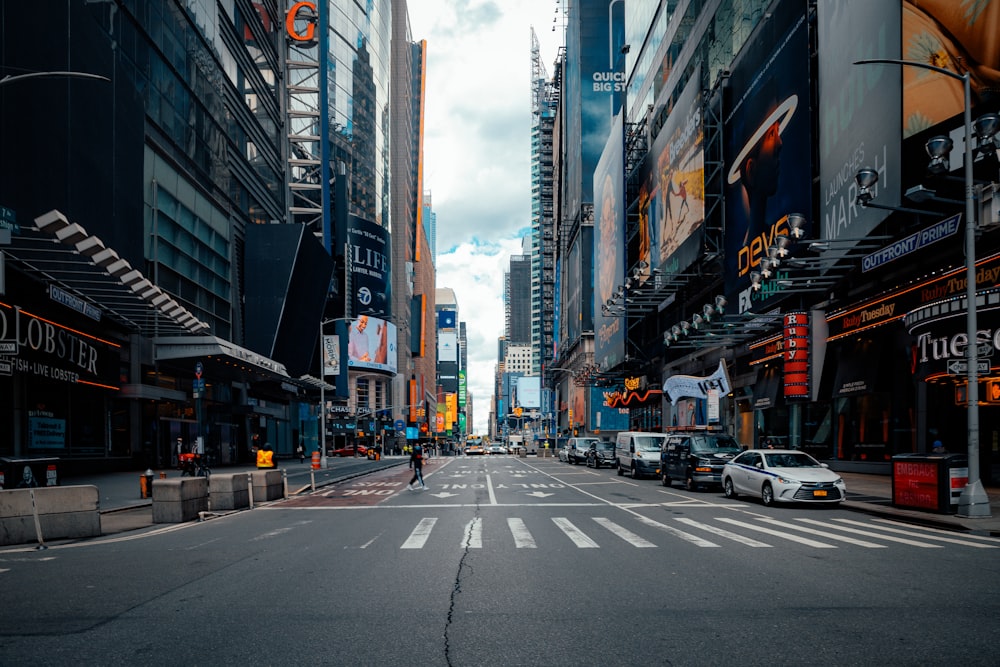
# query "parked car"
(576, 449)
(601, 452)
(350, 451)
(638, 453)
(782, 475)
(696, 457)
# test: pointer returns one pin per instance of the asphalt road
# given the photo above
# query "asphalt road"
(505, 561)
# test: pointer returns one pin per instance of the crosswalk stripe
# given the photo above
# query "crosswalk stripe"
(938, 531)
(694, 539)
(777, 533)
(715, 530)
(879, 536)
(574, 533)
(522, 537)
(624, 533)
(473, 534)
(419, 536)
(936, 538)
(829, 536)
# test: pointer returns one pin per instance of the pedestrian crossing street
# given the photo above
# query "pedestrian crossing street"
(751, 531)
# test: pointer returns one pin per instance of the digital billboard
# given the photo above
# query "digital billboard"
(609, 247)
(604, 417)
(767, 148)
(371, 343)
(447, 346)
(859, 122)
(528, 392)
(672, 190)
(368, 262)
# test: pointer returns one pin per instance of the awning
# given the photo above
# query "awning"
(228, 359)
(92, 277)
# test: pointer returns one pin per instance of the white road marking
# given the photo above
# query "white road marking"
(522, 537)
(878, 536)
(489, 487)
(574, 533)
(777, 533)
(939, 531)
(821, 533)
(715, 530)
(693, 539)
(624, 533)
(473, 534)
(936, 538)
(419, 536)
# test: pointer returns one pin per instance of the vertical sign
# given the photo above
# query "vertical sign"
(796, 341)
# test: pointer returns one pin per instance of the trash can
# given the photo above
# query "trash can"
(931, 482)
(23, 473)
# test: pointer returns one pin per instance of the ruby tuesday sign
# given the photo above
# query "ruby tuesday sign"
(36, 346)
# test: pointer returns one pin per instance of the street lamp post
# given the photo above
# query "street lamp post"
(973, 502)
(555, 411)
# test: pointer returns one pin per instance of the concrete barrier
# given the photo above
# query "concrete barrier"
(179, 499)
(228, 492)
(64, 512)
(267, 485)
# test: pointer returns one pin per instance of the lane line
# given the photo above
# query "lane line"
(715, 530)
(419, 536)
(522, 537)
(785, 536)
(624, 533)
(489, 487)
(574, 533)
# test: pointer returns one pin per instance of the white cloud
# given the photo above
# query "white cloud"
(477, 154)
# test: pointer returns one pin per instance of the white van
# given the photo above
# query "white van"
(638, 452)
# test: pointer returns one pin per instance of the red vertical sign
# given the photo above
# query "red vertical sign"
(796, 356)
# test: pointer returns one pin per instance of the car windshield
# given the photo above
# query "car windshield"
(606, 446)
(648, 443)
(791, 460)
(707, 444)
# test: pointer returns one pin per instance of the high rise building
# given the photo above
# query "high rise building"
(517, 300)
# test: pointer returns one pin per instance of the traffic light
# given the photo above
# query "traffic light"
(993, 391)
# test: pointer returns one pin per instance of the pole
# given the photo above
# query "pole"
(322, 399)
(973, 503)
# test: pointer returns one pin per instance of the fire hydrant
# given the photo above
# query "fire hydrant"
(146, 484)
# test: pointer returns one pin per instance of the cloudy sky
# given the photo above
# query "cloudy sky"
(477, 149)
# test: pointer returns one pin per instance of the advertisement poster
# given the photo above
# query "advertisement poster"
(372, 344)
(369, 267)
(609, 248)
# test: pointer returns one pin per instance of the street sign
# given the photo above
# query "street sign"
(198, 370)
(400, 425)
(961, 367)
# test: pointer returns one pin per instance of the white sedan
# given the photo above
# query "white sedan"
(782, 475)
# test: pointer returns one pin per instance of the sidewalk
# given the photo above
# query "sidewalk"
(122, 508)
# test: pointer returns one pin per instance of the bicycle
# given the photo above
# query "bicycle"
(194, 465)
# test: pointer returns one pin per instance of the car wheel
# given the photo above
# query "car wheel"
(620, 471)
(728, 489)
(689, 483)
(665, 480)
(767, 495)
(635, 473)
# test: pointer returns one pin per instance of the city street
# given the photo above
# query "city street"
(506, 561)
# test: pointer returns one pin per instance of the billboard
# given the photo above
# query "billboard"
(672, 190)
(609, 247)
(958, 36)
(604, 417)
(371, 343)
(368, 262)
(858, 113)
(767, 151)
(447, 346)
(528, 392)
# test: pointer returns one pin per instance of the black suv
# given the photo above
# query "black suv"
(601, 452)
(696, 457)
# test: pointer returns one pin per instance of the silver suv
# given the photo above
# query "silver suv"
(576, 449)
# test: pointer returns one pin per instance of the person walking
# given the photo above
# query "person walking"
(417, 463)
(301, 451)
